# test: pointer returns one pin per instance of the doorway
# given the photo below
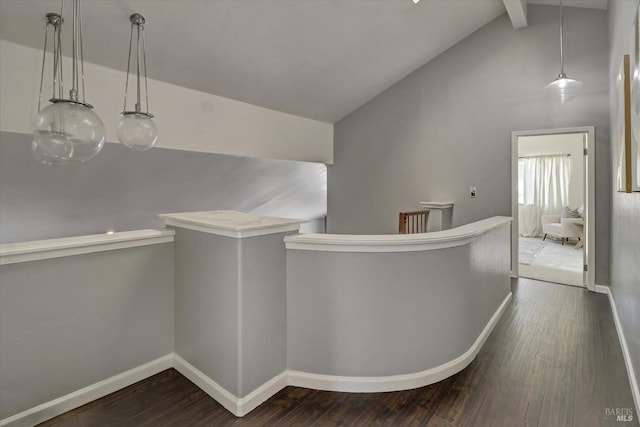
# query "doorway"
(553, 205)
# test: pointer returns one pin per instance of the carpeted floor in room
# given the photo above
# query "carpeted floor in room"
(551, 261)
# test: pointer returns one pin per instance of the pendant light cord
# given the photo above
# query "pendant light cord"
(73, 94)
(57, 73)
(138, 69)
(126, 84)
(141, 66)
(561, 41)
(58, 80)
(54, 21)
(44, 54)
(144, 59)
(81, 52)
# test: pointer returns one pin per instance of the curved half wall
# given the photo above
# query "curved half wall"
(392, 312)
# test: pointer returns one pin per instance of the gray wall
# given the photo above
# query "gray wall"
(123, 190)
(264, 310)
(206, 320)
(231, 307)
(350, 313)
(448, 126)
(625, 208)
(67, 323)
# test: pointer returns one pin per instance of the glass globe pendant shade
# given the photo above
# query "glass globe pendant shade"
(137, 131)
(67, 132)
(55, 152)
(563, 88)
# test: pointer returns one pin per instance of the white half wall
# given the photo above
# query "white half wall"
(70, 322)
(186, 119)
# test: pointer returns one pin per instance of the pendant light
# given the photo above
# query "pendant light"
(562, 88)
(136, 129)
(66, 131)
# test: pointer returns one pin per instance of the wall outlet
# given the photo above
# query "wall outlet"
(473, 192)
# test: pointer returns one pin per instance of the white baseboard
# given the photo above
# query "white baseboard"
(398, 382)
(209, 386)
(262, 393)
(237, 406)
(66, 403)
(635, 390)
(241, 406)
(601, 289)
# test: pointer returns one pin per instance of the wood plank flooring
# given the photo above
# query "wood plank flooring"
(552, 360)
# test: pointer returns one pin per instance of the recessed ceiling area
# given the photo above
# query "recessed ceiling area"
(319, 59)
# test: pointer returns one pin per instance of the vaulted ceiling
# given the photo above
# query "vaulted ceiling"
(319, 59)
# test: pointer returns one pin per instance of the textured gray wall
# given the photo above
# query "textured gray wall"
(67, 323)
(123, 190)
(625, 208)
(448, 125)
(350, 313)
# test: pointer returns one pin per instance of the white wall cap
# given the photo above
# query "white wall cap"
(436, 205)
(231, 223)
(395, 242)
(11, 253)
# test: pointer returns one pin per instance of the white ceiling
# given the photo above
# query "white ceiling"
(319, 59)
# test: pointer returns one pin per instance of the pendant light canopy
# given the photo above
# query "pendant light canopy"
(136, 129)
(562, 88)
(66, 131)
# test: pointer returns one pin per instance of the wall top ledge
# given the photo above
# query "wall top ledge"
(395, 242)
(11, 253)
(231, 223)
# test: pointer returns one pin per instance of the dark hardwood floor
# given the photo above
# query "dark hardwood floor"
(552, 360)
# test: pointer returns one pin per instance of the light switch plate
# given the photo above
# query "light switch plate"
(473, 192)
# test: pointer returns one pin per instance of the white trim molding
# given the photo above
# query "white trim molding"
(395, 242)
(398, 382)
(11, 253)
(633, 382)
(601, 289)
(237, 406)
(231, 223)
(589, 133)
(206, 384)
(66, 403)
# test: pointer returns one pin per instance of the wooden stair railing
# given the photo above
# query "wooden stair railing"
(413, 222)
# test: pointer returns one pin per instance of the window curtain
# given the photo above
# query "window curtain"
(543, 189)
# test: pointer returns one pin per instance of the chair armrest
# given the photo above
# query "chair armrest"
(549, 219)
(571, 227)
(579, 221)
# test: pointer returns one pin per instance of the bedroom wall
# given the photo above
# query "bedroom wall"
(448, 125)
(625, 208)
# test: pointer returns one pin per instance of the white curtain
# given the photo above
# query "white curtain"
(543, 189)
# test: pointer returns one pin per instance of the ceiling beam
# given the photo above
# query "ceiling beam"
(517, 10)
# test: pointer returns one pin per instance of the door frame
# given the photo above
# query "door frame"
(590, 202)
